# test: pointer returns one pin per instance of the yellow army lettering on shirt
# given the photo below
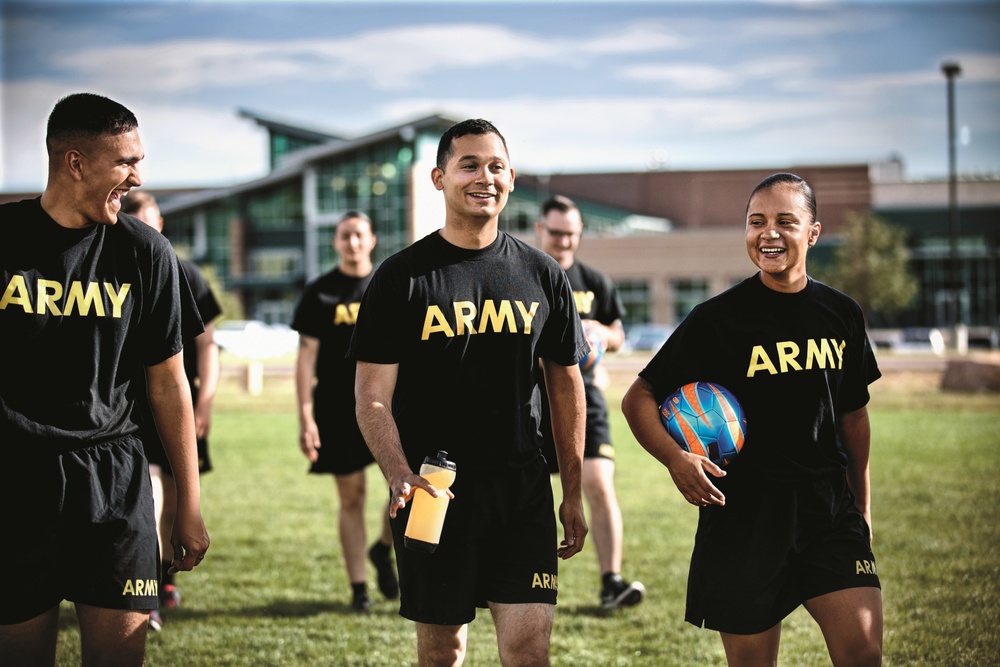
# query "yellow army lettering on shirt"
(822, 353)
(865, 567)
(545, 580)
(499, 318)
(346, 314)
(51, 299)
(140, 587)
(584, 301)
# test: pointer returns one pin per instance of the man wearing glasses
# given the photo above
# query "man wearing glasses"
(600, 311)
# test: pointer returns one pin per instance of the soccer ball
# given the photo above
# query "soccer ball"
(597, 349)
(705, 419)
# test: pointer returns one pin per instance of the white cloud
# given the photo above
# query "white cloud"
(188, 145)
(573, 134)
(705, 89)
(685, 77)
(389, 58)
(26, 110)
(184, 144)
(636, 38)
(978, 67)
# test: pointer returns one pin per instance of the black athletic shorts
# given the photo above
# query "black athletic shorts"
(80, 527)
(343, 449)
(597, 443)
(772, 547)
(498, 545)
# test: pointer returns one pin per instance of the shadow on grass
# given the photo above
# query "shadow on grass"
(591, 611)
(276, 609)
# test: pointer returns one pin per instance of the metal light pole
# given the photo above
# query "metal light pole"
(952, 70)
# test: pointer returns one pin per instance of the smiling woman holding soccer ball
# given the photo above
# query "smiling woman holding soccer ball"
(787, 522)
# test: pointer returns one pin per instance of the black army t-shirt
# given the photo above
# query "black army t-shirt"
(596, 299)
(467, 328)
(795, 362)
(208, 309)
(327, 311)
(82, 312)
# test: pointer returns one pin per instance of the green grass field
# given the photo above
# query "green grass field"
(273, 591)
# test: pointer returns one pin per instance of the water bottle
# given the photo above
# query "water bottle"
(423, 529)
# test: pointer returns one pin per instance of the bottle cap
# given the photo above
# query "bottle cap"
(441, 461)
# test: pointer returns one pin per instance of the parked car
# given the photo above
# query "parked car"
(646, 337)
(921, 339)
(254, 339)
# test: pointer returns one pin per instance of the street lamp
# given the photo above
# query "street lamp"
(952, 70)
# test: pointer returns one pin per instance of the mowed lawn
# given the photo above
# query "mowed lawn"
(273, 591)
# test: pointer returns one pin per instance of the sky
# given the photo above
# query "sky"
(574, 86)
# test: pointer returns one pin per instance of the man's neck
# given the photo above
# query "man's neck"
(355, 269)
(470, 234)
(57, 208)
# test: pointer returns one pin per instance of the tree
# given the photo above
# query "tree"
(229, 302)
(871, 265)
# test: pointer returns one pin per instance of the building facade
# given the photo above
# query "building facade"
(669, 239)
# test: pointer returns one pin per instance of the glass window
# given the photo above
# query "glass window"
(524, 207)
(276, 262)
(283, 144)
(374, 180)
(180, 229)
(637, 301)
(276, 208)
(688, 293)
(218, 220)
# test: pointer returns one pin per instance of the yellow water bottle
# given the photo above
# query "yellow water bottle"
(423, 529)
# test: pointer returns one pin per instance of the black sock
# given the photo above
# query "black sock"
(360, 590)
(610, 578)
(380, 550)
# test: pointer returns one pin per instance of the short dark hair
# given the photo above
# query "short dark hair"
(782, 178)
(136, 201)
(353, 215)
(470, 126)
(86, 116)
(558, 203)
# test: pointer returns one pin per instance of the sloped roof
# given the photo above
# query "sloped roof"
(296, 163)
(286, 127)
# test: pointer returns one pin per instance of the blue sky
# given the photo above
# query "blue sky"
(584, 86)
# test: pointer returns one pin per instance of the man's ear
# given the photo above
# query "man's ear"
(73, 160)
(437, 177)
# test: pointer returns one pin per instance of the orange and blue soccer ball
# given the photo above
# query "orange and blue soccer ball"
(597, 349)
(705, 419)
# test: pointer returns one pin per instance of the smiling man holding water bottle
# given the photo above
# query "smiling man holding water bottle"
(448, 339)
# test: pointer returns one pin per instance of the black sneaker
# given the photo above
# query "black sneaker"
(361, 604)
(155, 620)
(621, 593)
(381, 557)
(170, 597)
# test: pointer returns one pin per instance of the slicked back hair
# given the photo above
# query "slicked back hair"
(783, 178)
(470, 126)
